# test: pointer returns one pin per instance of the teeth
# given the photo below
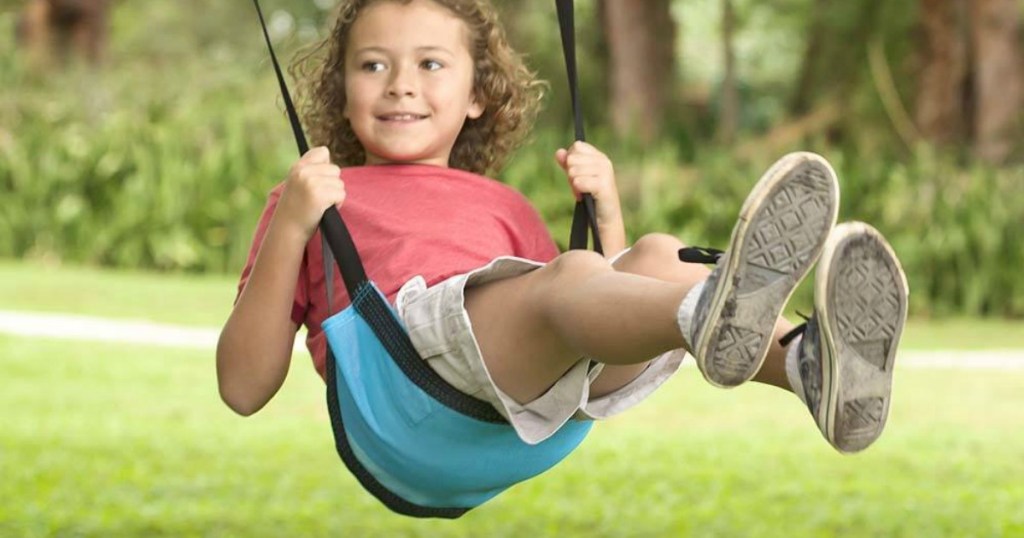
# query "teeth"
(402, 117)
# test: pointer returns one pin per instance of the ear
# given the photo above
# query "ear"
(476, 108)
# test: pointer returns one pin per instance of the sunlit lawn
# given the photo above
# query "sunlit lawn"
(206, 301)
(111, 440)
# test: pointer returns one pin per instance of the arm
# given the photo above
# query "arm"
(590, 170)
(255, 345)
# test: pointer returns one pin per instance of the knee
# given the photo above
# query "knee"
(569, 269)
(654, 255)
(573, 265)
(656, 247)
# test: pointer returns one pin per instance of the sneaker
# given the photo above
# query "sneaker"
(842, 367)
(728, 321)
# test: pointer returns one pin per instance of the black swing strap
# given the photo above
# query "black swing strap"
(585, 213)
(332, 226)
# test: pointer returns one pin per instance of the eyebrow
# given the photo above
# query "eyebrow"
(426, 48)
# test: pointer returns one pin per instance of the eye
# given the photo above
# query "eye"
(431, 65)
(372, 67)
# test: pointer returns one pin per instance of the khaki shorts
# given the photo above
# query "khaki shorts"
(440, 329)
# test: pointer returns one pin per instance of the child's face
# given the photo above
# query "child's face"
(409, 82)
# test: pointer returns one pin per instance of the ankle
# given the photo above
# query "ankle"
(687, 310)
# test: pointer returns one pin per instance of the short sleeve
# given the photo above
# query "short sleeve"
(301, 301)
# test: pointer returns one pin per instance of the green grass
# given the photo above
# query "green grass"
(206, 301)
(169, 298)
(123, 440)
(116, 440)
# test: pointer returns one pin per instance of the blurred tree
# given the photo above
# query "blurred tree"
(997, 76)
(641, 61)
(729, 117)
(943, 55)
(970, 84)
(63, 29)
(816, 29)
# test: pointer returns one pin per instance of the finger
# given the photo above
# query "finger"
(586, 184)
(583, 148)
(588, 169)
(331, 170)
(580, 146)
(319, 154)
(316, 174)
(575, 159)
(332, 194)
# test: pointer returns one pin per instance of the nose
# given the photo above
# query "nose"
(402, 82)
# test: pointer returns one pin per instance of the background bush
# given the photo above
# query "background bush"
(162, 160)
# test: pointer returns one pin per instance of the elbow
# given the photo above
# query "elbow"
(239, 403)
(235, 391)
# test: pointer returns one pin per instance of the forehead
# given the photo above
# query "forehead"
(399, 26)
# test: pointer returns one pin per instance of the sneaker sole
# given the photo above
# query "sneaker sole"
(781, 231)
(861, 297)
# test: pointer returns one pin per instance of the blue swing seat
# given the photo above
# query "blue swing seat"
(419, 445)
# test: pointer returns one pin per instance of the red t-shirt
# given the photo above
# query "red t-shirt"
(409, 220)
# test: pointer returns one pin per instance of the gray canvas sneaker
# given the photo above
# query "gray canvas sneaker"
(728, 321)
(842, 366)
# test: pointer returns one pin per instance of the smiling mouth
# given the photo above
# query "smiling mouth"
(402, 117)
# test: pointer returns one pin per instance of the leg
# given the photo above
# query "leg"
(652, 256)
(531, 329)
(579, 306)
(773, 371)
(655, 256)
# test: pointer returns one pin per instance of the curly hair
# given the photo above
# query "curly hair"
(509, 91)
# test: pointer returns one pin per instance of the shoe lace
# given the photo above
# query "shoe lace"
(796, 331)
(700, 255)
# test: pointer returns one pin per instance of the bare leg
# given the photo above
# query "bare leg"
(773, 371)
(655, 256)
(648, 258)
(533, 328)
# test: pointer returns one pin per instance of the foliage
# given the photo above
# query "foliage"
(956, 229)
(162, 159)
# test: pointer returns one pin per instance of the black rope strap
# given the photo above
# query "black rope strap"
(331, 224)
(585, 213)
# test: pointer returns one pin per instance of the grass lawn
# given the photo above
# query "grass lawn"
(118, 440)
(206, 301)
(104, 439)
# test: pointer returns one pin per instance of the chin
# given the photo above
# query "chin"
(400, 157)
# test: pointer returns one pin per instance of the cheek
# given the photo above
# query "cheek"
(353, 104)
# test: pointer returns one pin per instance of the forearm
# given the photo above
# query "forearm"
(255, 346)
(613, 235)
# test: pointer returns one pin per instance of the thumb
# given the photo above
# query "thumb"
(560, 156)
(317, 155)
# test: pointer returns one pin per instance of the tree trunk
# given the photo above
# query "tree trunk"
(728, 122)
(997, 84)
(641, 47)
(943, 51)
(63, 29)
(805, 85)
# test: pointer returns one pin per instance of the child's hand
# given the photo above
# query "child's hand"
(590, 170)
(313, 185)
